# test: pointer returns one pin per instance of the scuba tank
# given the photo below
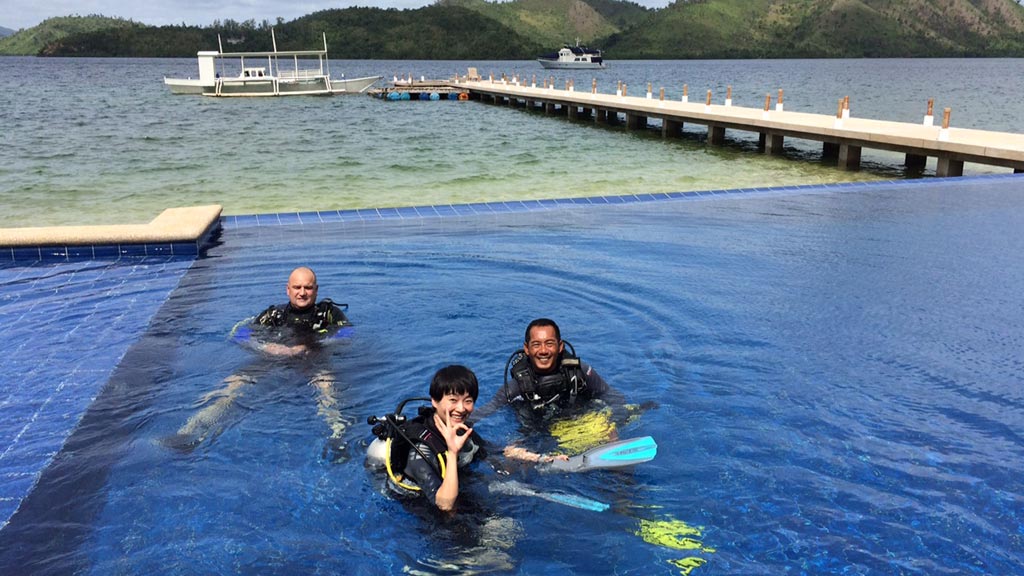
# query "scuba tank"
(396, 435)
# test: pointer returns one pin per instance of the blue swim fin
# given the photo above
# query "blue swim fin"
(611, 455)
(514, 488)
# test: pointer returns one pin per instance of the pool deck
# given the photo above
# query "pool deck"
(175, 232)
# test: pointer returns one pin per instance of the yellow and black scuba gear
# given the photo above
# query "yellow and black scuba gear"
(401, 435)
(540, 390)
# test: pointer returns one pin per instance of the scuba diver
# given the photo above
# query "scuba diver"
(423, 455)
(294, 332)
(543, 378)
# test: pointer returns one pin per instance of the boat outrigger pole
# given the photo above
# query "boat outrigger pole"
(326, 57)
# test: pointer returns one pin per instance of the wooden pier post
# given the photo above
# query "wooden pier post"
(915, 162)
(593, 86)
(947, 166)
(650, 92)
(849, 156)
(686, 93)
(661, 94)
(778, 102)
(929, 119)
(707, 102)
(728, 95)
(670, 127)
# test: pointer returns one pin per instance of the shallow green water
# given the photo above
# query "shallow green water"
(90, 141)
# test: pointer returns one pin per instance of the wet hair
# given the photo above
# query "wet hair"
(454, 379)
(542, 322)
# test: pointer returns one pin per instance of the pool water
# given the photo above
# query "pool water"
(837, 372)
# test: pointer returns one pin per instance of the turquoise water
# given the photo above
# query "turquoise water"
(91, 141)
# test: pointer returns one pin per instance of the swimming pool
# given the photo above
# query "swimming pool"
(837, 371)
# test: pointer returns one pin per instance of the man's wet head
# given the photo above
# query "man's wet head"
(302, 288)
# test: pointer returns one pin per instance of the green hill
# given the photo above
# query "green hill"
(521, 29)
(826, 29)
(53, 30)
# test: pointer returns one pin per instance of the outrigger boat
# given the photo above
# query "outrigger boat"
(282, 75)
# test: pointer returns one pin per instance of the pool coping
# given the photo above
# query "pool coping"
(189, 231)
(182, 231)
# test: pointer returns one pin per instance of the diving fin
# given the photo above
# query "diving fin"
(612, 455)
(514, 488)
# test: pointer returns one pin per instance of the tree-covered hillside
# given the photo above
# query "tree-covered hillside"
(522, 29)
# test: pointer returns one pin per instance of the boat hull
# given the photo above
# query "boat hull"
(353, 85)
(186, 85)
(558, 65)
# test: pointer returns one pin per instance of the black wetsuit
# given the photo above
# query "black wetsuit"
(427, 473)
(304, 326)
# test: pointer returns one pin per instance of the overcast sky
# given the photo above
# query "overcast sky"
(17, 14)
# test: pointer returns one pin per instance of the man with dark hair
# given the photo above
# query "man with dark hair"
(544, 376)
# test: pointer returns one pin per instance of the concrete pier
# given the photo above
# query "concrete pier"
(843, 137)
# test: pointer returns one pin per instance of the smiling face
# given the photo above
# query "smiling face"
(302, 288)
(454, 408)
(543, 348)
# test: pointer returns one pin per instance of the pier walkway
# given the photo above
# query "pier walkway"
(842, 136)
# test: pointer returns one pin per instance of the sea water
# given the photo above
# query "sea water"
(89, 141)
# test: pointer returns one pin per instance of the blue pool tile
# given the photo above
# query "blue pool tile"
(464, 209)
(349, 215)
(367, 214)
(267, 220)
(159, 250)
(246, 221)
(53, 253)
(81, 252)
(185, 249)
(28, 254)
(329, 216)
(288, 219)
(308, 217)
(132, 250)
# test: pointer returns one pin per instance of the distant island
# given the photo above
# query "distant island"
(522, 29)
(4, 32)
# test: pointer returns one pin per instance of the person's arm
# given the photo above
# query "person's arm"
(519, 453)
(600, 389)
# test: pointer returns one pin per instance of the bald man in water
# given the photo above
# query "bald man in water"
(296, 330)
